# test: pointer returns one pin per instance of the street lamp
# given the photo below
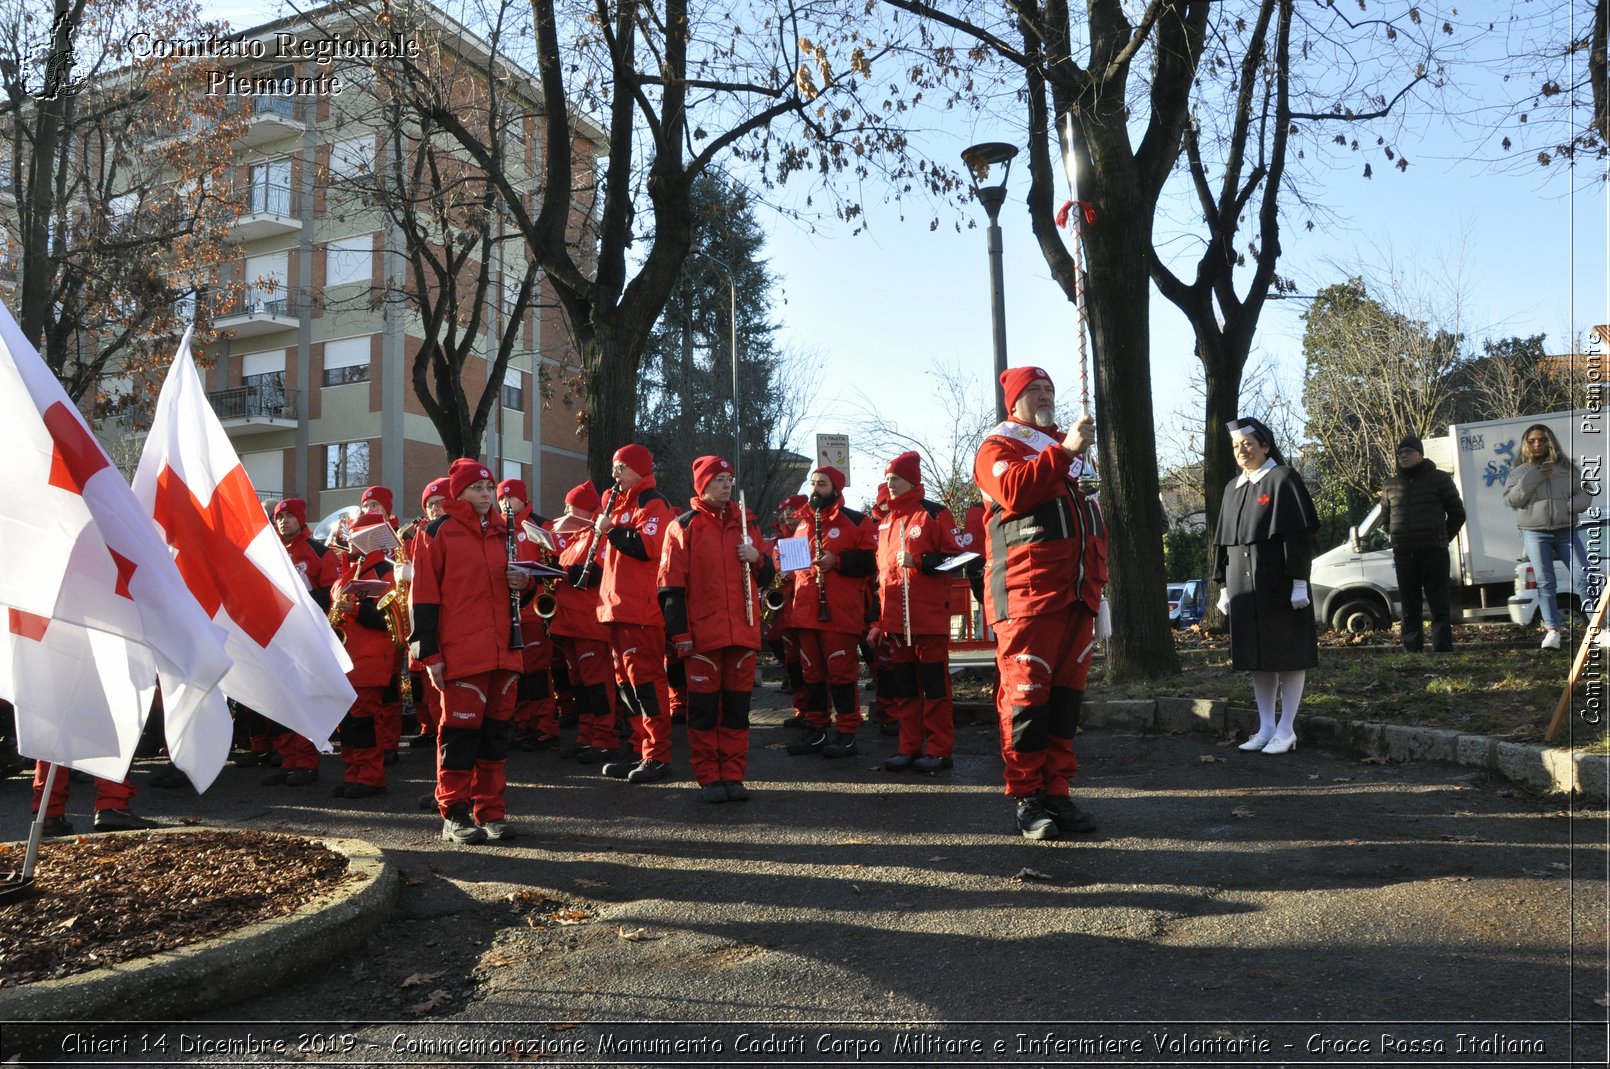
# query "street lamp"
(979, 159)
(732, 307)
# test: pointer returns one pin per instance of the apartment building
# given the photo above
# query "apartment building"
(311, 372)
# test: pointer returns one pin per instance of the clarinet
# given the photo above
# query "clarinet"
(822, 614)
(516, 640)
(592, 539)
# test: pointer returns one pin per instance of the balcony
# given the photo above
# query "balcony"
(259, 311)
(247, 410)
(270, 211)
(273, 118)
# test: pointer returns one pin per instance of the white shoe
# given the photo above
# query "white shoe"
(1551, 640)
(1257, 742)
(1281, 745)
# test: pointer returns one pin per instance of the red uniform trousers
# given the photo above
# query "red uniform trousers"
(592, 675)
(295, 751)
(921, 699)
(884, 705)
(677, 686)
(831, 661)
(795, 672)
(472, 744)
(720, 686)
(427, 705)
(388, 724)
(361, 750)
(639, 654)
(534, 709)
(1042, 662)
(564, 691)
(109, 794)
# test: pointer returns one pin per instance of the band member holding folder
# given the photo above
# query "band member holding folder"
(536, 716)
(914, 539)
(361, 625)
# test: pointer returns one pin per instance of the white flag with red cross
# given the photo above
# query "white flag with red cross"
(289, 666)
(96, 612)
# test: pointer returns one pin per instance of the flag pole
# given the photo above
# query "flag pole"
(36, 830)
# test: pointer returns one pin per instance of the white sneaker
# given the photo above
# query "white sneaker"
(1257, 742)
(1551, 640)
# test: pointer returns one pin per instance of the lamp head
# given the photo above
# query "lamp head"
(981, 158)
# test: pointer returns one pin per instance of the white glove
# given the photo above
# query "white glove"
(1224, 601)
(1299, 594)
(1103, 620)
(403, 572)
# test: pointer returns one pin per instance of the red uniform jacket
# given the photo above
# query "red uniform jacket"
(532, 626)
(368, 642)
(930, 536)
(315, 563)
(1045, 541)
(577, 612)
(701, 578)
(630, 576)
(460, 599)
(848, 535)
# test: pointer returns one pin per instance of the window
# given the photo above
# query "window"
(346, 464)
(513, 469)
(346, 361)
(514, 389)
(271, 188)
(262, 375)
(349, 260)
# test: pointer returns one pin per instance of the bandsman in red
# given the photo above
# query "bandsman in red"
(915, 538)
(1046, 548)
(111, 804)
(377, 501)
(463, 619)
(581, 635)
(362, 627)
(712, 570)
(829, 609)
(634, 525)
(786, 648)
(318, 566)
(536, 719)
(426, 701)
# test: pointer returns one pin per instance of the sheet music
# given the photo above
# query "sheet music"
(957, 561)
(794, 554)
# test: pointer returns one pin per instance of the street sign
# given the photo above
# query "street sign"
(834, 449)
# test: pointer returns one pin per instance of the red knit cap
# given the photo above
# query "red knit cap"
(707, 468)
(514, 488)
(791, 504)
(462, 474)
(380, 494)
(434, 488)
(584, 497)
(908, 466)
(834, 476)
(1014, 380)
(295, 506)
(636, 457)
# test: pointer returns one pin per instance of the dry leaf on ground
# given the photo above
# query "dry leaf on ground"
(1030, 874)
(420, 978)
(435, 1001)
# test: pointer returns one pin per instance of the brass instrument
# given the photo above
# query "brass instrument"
(546, 604)
(822, 615)
(395, 606)
(748, 580)
(337, 616)
(516, 640)
(774, 598)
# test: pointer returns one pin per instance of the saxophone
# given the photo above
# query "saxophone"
(395, 606)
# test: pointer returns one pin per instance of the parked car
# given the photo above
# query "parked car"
(1187, 602)
(1523, 607)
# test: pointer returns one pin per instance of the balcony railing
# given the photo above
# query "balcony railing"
(271, 198)
(281, 106)
(275, 302)
(263, 402)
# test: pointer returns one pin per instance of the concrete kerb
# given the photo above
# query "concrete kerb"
(1540, 768)
(181, 982)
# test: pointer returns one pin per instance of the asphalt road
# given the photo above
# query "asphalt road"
(1233, 909)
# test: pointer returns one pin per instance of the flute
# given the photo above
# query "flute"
(749, 583)
(905, 585)
(516, 640)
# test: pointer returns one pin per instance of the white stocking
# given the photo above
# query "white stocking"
(1263, 692)
(1291, 696)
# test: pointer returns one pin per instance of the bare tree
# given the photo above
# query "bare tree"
(966, 413)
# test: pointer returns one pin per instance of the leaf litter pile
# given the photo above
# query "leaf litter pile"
(109, 898)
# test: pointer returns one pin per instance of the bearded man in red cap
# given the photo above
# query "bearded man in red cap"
(461, 630)
(915, 538)
(829, 609)
(318, 567)
(635, 530)
(1046, 548)
(581, 636)
(536, 719)
(711, 573)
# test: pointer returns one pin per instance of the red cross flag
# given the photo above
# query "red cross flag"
(94, 610)
(288, 663)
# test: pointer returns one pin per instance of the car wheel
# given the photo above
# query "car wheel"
(1359, 616)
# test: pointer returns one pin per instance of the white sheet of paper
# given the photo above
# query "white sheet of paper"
(957, 561)
(793, 554)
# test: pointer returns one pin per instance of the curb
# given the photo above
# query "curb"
(1547, 769)
(177, 984)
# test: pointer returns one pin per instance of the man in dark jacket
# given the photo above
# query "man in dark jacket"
(1421, 511)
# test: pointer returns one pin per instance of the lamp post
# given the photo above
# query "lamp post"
(979, 160)
(732, 308)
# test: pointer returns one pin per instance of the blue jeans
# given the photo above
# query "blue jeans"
(1543, 548)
